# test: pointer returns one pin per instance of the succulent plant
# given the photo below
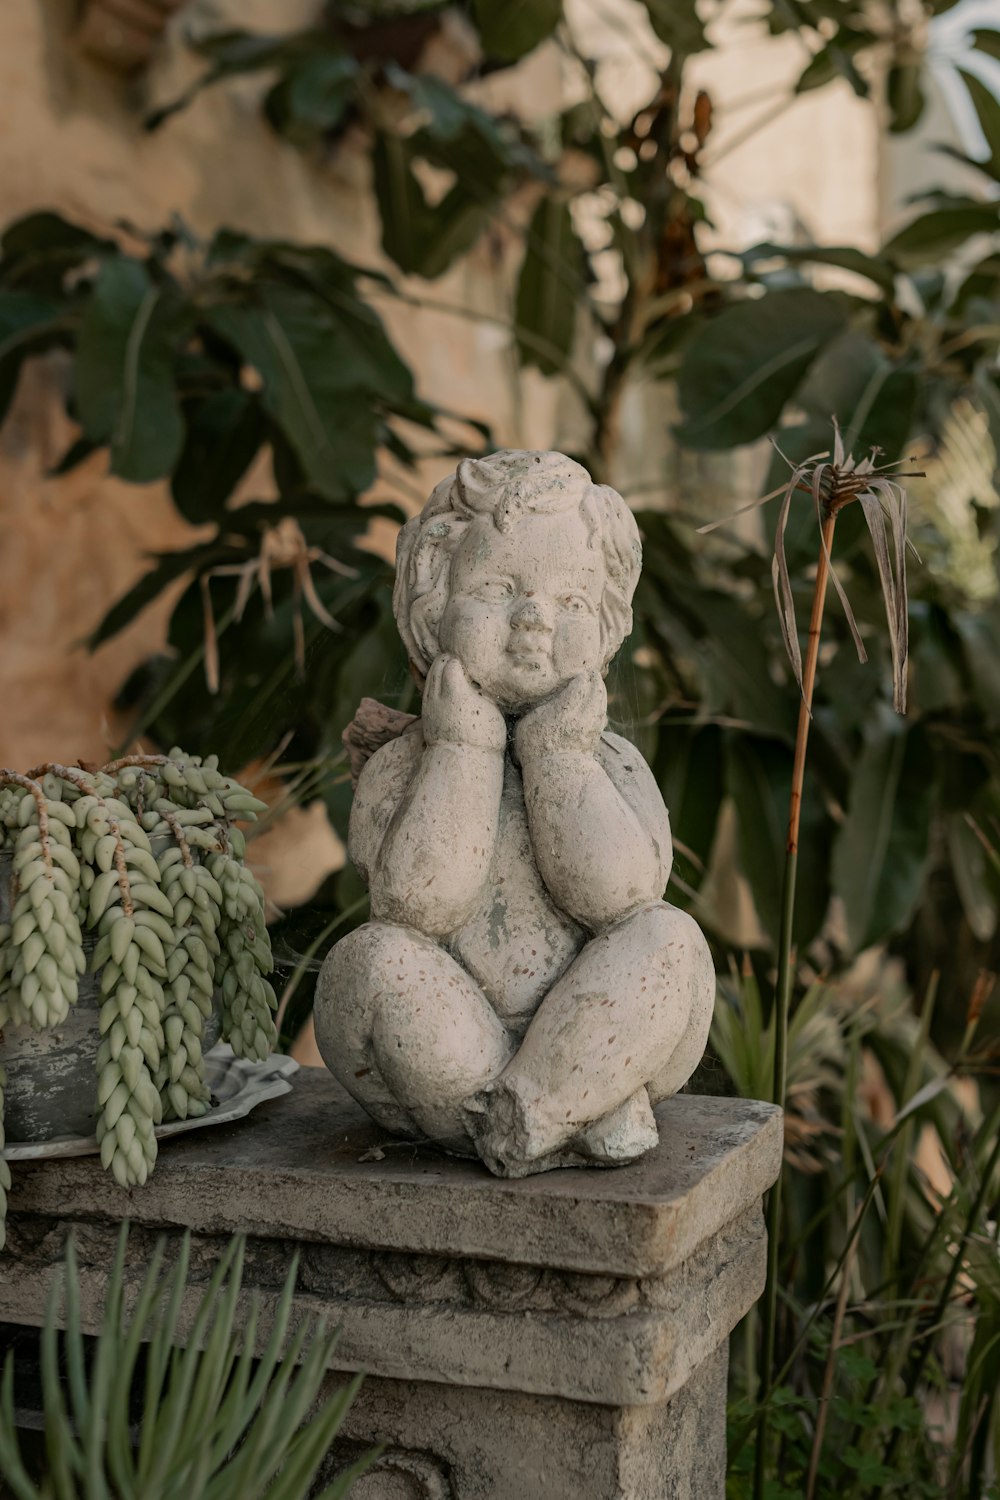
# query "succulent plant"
(144, 854)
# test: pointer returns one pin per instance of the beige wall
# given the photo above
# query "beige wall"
(72, 139)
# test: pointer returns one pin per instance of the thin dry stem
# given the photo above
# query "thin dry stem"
(178, 832)
(114, 766)
(85, 783)
(14, 778)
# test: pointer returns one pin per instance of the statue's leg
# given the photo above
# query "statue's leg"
(633, 1009)
(407, 1032)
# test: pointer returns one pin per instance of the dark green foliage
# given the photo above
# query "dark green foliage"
(190, 362)
(217, 1415)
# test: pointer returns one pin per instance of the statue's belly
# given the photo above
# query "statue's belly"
(518, 942)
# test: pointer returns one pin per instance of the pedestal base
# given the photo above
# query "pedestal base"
(562, 1337)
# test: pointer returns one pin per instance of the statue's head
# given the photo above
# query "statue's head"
(521, 567)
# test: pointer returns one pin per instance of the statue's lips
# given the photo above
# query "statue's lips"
(532, 661)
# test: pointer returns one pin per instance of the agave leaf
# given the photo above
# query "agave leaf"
(158, 1357)
(121, 1462)
(841, 595)
(184, 1370)
(75, 1363)
(101, 1374)
(781, 579)
(893, 586)
(11, 1467)
(60, 1440)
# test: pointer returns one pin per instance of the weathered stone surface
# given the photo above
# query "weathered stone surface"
(522, 991)
(561, 1336)
(301, 1167)
(458, 1445)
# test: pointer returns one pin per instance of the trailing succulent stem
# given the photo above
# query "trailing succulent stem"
(143, 856)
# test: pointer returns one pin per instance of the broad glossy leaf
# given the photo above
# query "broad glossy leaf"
(129, 338)
(310, 384)
(27, 321)
(547, 289)
(905, 94)
(847, 257)
(987, 107)
(168, 567)
(677, 23)
(403, 208)
(37, 251)
(759, 779)
(224, 434)
(880, 853)
(740, 370)
(931, 236)
(689, 769)
(313, 98)
(453, 227)
(835, 60)
(981, 285)
(511, 28)
(480, 148)
(987, 39)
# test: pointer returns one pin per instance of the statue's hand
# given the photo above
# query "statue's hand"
(574, 718)
(456, 713)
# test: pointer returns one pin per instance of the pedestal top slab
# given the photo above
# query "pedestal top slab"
(313, 1167)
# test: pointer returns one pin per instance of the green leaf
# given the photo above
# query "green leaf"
(511, 28)
(547, 289)
(310, 381)
(987, 107)
(27, 323)
(689, 769)
(478, 147)
(131, 331)
(402, 205)
(740, 369)
(906, 96)
(835, 60)
(881, 849)
(981, 284)
(677, 23)
(169, 567)
(313, 98)
(932, 236)
(224, 435)
(759, 779)
(847, 257)
(986, 39)
(38, 250)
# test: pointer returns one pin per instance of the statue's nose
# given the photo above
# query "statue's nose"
(530, 614)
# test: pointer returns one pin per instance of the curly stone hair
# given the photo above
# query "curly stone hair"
(507, 485)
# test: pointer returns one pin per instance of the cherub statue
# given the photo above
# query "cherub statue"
(522, 992)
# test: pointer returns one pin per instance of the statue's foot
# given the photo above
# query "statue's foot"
(502, 1130)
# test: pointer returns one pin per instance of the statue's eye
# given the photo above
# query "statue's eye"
(495, 590)
(576, 604)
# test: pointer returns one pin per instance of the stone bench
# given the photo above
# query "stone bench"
(563, 1337)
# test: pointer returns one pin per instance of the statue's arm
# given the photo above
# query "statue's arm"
(599, 829)
(426, 814)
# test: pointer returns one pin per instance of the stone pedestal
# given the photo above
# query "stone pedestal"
(563, 1337)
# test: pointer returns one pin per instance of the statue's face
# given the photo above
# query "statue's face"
(523, 612)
